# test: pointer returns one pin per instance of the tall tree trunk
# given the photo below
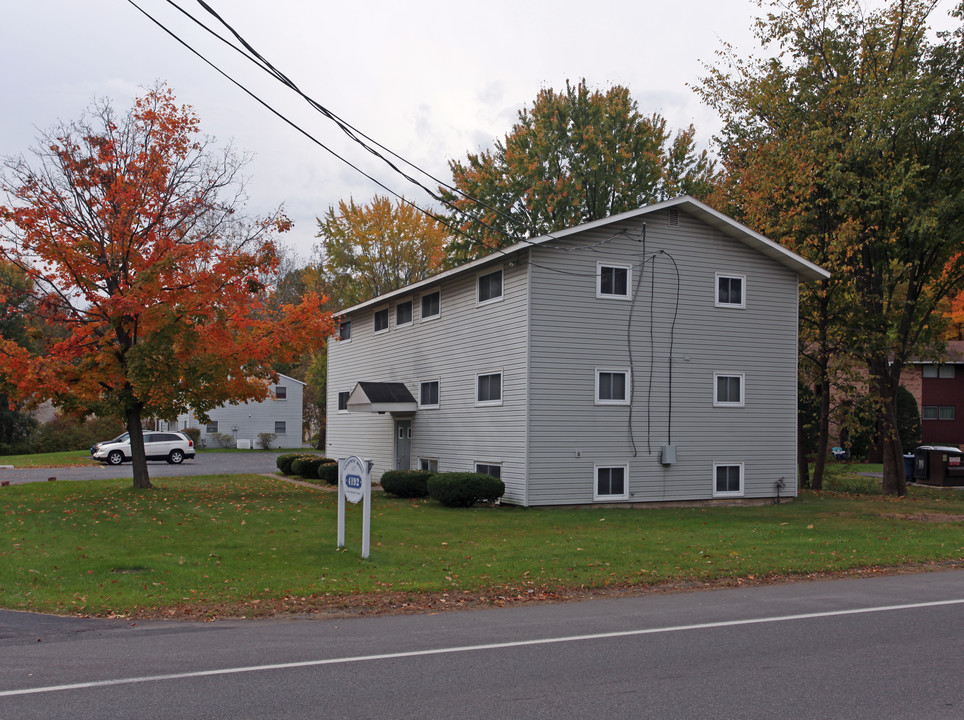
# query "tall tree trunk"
(895, 482)
(803, 467)
(886, 377)
(823, 435)
(138, 457)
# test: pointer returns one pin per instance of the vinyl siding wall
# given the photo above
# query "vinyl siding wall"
(464, 340)
(574, 333)
(253, 418)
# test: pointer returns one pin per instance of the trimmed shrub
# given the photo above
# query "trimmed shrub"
(328, 471)
(406, 483)
(298, 465)
(455, 489)
(309, 467)
(284, 462)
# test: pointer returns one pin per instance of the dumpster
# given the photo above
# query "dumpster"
(939, 465)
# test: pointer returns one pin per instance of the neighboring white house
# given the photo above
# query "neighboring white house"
(650, 356)
(280, 413)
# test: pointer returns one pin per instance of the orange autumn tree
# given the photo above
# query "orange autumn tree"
(130, 231)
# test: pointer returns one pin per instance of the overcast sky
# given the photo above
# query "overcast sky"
(431, 80)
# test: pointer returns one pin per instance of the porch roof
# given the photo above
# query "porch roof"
(381, 397)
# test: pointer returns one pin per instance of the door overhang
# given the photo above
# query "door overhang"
(382, 397)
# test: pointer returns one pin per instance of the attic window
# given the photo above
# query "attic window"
(672, 218)
(280, 392)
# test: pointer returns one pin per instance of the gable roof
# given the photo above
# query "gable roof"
(807, 270)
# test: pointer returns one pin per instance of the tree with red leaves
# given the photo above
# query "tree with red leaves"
(130, 231)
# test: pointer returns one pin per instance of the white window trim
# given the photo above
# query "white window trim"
(349, 323)
(717, 402)
(436, 405)
(739, 493)
(340, 411)
(475, 390)
(428, 460)
(936, 409)
(476, 463)
(436, 316)
(410, 322)
(613, 296)
(716, 291)
(388, 326)
(624, 371)
(595, 482)
(480, 303)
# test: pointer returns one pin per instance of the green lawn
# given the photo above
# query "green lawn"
(76, 458)
(248, 545)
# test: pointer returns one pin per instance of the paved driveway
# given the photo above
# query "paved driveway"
(213, 463)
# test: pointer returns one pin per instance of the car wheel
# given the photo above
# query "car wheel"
(176, 457)
(115, 457)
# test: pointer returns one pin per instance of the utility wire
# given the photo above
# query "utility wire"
(354, 133)
(266, 66)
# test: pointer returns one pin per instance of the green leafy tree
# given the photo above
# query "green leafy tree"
(848, 146)
(574, 156)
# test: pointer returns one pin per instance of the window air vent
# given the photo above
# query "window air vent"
(673, 218)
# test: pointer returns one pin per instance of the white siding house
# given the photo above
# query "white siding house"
(280, 413)
(650, 356)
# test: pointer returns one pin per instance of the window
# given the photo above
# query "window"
(431, 305)
(280, 427)
(212, 427)
(489, 389)
(612, 387)
(403, 313)
(430, 464)
(344, 330)
(934, 412)
(343, 401)
(610, 483)
(428, 394)
(280, 392)
(612, 281)
(728, 479)
(381, 320)
(938, 371)
(490, 287)
(728, 391)
(489, 469)
(729, 291)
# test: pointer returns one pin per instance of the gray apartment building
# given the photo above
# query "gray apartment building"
(647, 357)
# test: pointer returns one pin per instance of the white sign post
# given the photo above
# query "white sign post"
(355, 484)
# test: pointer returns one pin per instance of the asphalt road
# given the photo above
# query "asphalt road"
(207, 463)
(883, 647)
